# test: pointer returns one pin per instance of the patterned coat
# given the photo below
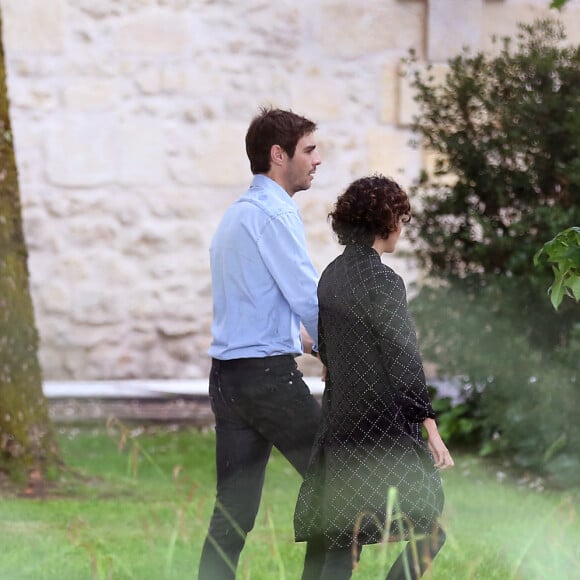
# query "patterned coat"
(375, 398)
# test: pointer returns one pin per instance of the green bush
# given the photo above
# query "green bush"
(505, 129)
(516, 401)
(460, 421)
(563, 254)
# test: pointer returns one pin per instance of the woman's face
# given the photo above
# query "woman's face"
(391, 241)
(388, 245)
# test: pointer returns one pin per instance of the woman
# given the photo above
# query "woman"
(375, 402)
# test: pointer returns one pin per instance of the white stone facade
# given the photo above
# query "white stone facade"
(129, 118)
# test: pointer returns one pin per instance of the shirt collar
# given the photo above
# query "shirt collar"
(261, 181)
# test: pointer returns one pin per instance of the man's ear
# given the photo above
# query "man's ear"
(277, 155)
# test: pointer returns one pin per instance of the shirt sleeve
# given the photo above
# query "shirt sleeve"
(282, 246)
(398, 344)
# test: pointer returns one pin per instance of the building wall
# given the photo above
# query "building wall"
(129, 118)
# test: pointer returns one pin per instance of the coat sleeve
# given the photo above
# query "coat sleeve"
(322, 343)
(397, 341)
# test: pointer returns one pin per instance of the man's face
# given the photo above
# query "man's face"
(300, 170)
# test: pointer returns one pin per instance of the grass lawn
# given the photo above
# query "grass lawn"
(143, 511)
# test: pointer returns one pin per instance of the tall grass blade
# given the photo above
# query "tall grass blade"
(275, 550)
(236, 528)
(533, 538)
(222, 554)
(170, 551)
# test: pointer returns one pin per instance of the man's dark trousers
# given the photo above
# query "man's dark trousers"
(258, 403)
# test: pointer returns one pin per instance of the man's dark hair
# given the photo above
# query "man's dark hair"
(274, 127)
(370, 206)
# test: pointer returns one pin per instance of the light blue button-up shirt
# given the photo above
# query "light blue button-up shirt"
(263, 281)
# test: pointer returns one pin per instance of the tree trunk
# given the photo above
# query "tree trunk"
(28, 450)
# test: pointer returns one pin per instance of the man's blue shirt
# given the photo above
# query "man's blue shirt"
(263, 281)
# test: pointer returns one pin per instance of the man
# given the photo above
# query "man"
(264, 287)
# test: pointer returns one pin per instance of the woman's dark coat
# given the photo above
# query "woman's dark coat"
(374, 401)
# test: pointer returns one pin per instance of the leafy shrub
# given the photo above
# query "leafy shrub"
(516, 401)
(460, 422)
(505, 129)
(563, 253)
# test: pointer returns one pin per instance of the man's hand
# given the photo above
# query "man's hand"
(307, 341)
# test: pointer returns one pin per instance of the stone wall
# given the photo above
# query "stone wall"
(129, 118)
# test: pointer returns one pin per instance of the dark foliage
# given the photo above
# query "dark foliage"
(505, 129)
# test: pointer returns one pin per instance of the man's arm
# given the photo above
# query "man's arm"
(283, 249)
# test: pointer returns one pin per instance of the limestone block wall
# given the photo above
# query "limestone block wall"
(129, 118)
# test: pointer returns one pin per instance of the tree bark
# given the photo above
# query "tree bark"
(28, 449)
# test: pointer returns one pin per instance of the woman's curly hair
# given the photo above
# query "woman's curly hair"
(371, 206)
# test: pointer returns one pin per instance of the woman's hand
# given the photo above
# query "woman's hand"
(441, 457)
